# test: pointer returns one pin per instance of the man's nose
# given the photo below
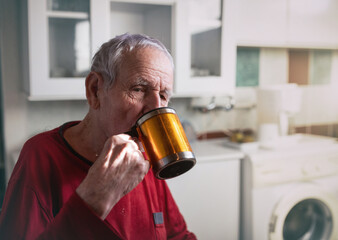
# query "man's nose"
(152, 101)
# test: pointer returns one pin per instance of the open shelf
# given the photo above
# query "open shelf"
(66, 14)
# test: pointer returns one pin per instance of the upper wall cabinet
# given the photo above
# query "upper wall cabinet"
(206, 51)
(313, 23)
(260, 22)
(115, 17)
(194, 31)
(63, 35)
(56, 47)
(287, 23)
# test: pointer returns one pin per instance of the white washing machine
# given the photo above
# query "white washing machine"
(289, 190)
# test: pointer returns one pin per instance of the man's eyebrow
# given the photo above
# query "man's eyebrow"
(169, 93)
(143, 82)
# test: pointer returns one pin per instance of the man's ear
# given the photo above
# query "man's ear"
(94, 84)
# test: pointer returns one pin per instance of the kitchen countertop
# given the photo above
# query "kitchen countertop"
(214, 150)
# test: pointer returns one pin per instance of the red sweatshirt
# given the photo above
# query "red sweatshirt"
(41, 201)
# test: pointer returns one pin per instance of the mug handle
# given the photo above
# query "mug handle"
(133, 132)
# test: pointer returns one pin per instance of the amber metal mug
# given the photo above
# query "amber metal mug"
(164, 142)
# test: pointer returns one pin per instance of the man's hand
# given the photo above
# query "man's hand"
(119, 168)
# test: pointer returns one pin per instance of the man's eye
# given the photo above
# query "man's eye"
(137, 92)
(164, 97)
(138, 89)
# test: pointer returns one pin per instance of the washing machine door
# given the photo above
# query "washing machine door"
(305, 213)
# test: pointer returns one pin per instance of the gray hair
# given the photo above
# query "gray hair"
(107, 60)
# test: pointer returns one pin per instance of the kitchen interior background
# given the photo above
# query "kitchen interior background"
(316, 72)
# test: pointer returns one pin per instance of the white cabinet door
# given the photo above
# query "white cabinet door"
(208, 198)
(99, 19)
(260, 22)
(287, 23)
(110, 18)
(206, 51)
(57, 49)
(313, 23)
(63, 37)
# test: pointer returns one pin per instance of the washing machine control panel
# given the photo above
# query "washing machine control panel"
(276, 167)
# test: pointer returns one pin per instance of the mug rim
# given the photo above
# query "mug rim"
(153, 113)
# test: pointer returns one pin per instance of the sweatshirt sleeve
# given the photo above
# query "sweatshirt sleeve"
(23, 217)
(77, 221)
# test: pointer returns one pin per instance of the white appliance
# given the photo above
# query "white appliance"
(208, 195)
(290, 190)
(277, 104)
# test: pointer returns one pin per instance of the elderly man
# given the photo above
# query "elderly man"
(88, 180)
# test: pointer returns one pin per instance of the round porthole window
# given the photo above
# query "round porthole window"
(309, 219)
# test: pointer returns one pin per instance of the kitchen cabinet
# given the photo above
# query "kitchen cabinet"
(203, 51)
(287, 23)
(62, 36)
(208, 195)
(313, 24)
(206, 51)
(115, 17)
(56, 48)
(260, 22)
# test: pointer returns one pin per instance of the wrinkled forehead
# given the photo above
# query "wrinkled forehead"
(148, 55)
(148, 64)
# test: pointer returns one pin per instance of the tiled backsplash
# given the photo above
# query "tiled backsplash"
(247, 68)
(324, 130)
(214, 120)
(305, 66)
(258, 67)
(320, 67)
